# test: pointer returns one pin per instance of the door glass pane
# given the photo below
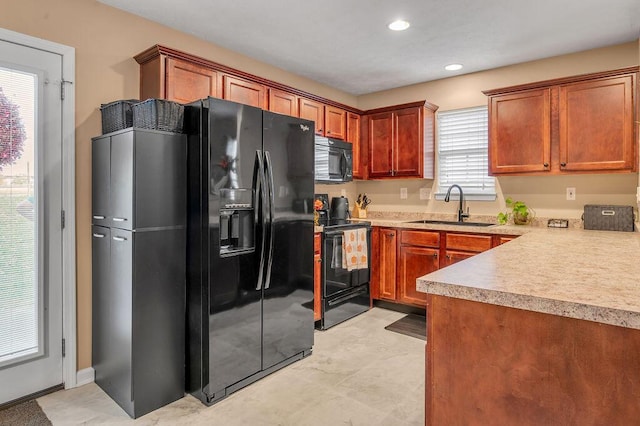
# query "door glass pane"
(19, 294)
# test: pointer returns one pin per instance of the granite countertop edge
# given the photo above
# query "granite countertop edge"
(582, 274)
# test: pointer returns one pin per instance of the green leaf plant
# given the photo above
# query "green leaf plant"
(520, 213)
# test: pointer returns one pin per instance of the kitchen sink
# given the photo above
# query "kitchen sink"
(451, 222)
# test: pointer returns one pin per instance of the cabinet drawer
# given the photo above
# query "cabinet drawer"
(421, 238)
(468, 242)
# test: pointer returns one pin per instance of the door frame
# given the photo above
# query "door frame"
(69, 361)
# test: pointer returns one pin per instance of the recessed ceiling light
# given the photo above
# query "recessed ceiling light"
(453, 67)
(398, 25)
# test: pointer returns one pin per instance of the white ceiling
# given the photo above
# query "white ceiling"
(345, 44)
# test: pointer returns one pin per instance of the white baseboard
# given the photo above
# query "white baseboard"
(85, 376)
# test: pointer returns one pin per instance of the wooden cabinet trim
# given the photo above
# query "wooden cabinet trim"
(562, 80)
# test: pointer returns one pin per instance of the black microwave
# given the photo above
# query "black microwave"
(334, 161)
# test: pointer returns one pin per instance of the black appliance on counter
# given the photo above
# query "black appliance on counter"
(249, 245)
(345, 294)
(138, 257)
(333, 160)
(340, 208)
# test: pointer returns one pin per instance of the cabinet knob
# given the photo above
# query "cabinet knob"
(448, 256)
(328, 132)
(546, 164)
(563, 164)
(435, 255)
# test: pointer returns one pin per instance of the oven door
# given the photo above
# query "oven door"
(337, 280)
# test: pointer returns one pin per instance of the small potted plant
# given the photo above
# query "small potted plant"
(522, 215)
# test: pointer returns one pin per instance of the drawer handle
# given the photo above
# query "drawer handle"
(119, 219)
(98, 235)
(98, 217)
(608, 212)
(119, 238)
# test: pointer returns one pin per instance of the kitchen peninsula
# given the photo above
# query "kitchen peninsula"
(542, 330)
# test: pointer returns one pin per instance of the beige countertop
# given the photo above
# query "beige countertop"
(589, 275)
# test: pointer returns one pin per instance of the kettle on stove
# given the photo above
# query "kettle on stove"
(340, 208)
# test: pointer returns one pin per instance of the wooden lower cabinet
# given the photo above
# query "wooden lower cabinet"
(463, 246)
(317, 276)
(495, 365)
(401, 256)
(387, 257)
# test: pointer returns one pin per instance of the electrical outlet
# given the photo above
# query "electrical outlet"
(571, 194)
(343, 192)
(425, 194)
(403, 193)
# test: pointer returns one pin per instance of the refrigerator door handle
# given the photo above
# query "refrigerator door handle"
(260, 201)
(271, 226)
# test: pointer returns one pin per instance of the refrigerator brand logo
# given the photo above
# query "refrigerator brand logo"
(304, 128)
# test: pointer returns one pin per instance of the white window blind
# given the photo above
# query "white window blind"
(463, 154)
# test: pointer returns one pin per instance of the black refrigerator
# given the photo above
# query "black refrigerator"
(249, 245)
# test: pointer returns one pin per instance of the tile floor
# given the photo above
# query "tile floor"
(359, 374)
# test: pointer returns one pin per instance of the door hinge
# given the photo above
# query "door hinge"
(64, 350)
(62, 83)
(63, 221)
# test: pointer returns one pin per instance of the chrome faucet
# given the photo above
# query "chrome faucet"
(461, 213)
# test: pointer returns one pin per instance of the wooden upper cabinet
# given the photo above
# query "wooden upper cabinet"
(596, 125)
(569, 125)
(353, 136)
(314, 111)
(381, 131)
(187, 82)
(408, 154)
(520, 132)
(401, 141)
(335, 120)
(244, 91)
(283, 102)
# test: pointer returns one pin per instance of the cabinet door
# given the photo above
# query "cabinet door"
(244, 92)
(122, 180)
(100, 172)
(408, 155)
(353, 136)
(317, 277)
(283, 102)
(102, 334)
(121, 312)
(414, 262)
(314, 111)
(380, 144)
(596, 125)
(453, 256)
(187, 82)
(388, 257)
(335, 120)
(520, 132)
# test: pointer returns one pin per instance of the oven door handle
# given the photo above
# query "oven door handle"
(351, 295)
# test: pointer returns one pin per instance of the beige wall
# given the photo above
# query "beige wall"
(106, 39)
(546, 194)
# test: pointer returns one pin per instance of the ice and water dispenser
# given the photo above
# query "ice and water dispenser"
(236, 221)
